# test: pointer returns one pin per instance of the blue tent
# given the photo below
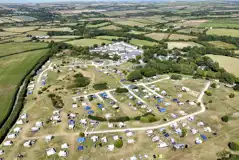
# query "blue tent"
(87, 107)
(81, 140)
(100, 106)
(80, 148)
(166, 135)
(71, 122)
(162, 110)
(91, 112)
(159, 100)
(175, 100)
(203, 137)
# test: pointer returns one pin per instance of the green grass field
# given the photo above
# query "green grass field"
(65, 29)
(97, 25)
(107, 37)
(228, 63)
(20, 29)
(181, 45)
(224, 32)
(181, 37)
(5, 34)
(130, 23)
(110, 27)
(138, 42)
(88, 42)
(12, 70)
(223, 45)
(221, 24)
(158, 36)
(9, 48)
(136, 32)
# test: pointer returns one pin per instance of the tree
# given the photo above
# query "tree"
(82, 134)
(95, 45)
(148, 72)
(234, 146)
(231, 95)
(118, 143)
(208, 93)
(135, 75)
(121, 90)
(184, 132)
(225, 118)
(100, 86)
(214, 85)
(176, 77)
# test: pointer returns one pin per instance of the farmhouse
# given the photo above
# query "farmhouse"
(124, 50)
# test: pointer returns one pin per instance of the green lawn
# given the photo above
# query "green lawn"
(12, 70)
(9, 48)
(224, 32)
(88, 42)
(141, 43)
(223, 45)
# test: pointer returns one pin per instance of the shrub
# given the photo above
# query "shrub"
(225, 118)
(120, 119)
(208, 93)
(97, 118)
(100, 86)
(232, 95)
(135, 75)
(236, 87)
(176, 77)
(214, 85)
(144, 119)
(148, 72)
(118, 143)
(210, 101)
(121, 90)
(184, 132)
(82, 134)
(234, 146)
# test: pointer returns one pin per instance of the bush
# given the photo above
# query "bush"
(97, 118)
(100, 86)
(236, 87)
(135, 75)
(234, 146)
(82, 134)
(148, 72)
(144, 119)
(176, 77)
(82, 82)
(225, 118)
(232, 95)
(184, 132)
(208, 93)
(121, 90)
(118, 143)
(214, 85)
(120, 119)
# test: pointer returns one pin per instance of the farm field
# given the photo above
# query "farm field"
(189, 30)
(107, 37)
(20, 29)
(9, 48)
(97, 25)
(223, 45)
(37, 33)
(130, 23)
(12, 70)
(193, 23)
(181, 45)
(65, 29)
(88, 42)
(220, 24)
(110, 27)
(158, 36)
(181, 37)
(6, 34)
(140, 43)
(230, 64)
(223, 32)
(136, 32)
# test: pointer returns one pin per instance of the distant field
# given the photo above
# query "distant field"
(221, 24)
(223, 45)
(224, 32)
(97, 25)
(138, 42)
(88, 42)
(5, 34)
(9, 48)
(68, 24)
(37, 33)
(228, 63)
(12, 70)
(181, 36)
(130, 23)
(136, 32)
(64, 29)
(181, 45)
(110, 27)
(194, 23)
(20, 29)
(107, 37)
(158, 36)
(143, 20)
(189, 30)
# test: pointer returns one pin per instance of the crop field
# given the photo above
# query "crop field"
(224, 32)
(130, 23)
(6, 34)
(181, 45)
(12, 70)
(110, 27)
(157, 19)
(9, 48)
(220, 24)
(20, 29)
(107, 37)
(230, 64)
(88, 42)
(143, 20)
(223, 45)
(193, 23)
(189, 30)
(181, 37)
(64, 29)
(97, 25)
(158, 36)
(138, 42)
(136, 32)
(37, 33)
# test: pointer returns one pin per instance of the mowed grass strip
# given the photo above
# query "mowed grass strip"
(138, 42)
(181, 37)
(230, 64)
(10, 48)
(88, 42)
(12, 71)
(223, 32)
(224, 45)
(158, 36)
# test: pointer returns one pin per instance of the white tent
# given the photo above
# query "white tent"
(11, 136)
(24, 116)
(39, 124)
(64, 146)
(20, 122)
(48, 138)
(35, 129)
(111, 147)
(94, 138)
(104, 139)
(62, 154)
(2, 152)
(7, 143)
(116, 137)
(28, 144)
(17, 129)
(130, 141)
(129, 134)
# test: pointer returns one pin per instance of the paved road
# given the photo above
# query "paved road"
(162, 125)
